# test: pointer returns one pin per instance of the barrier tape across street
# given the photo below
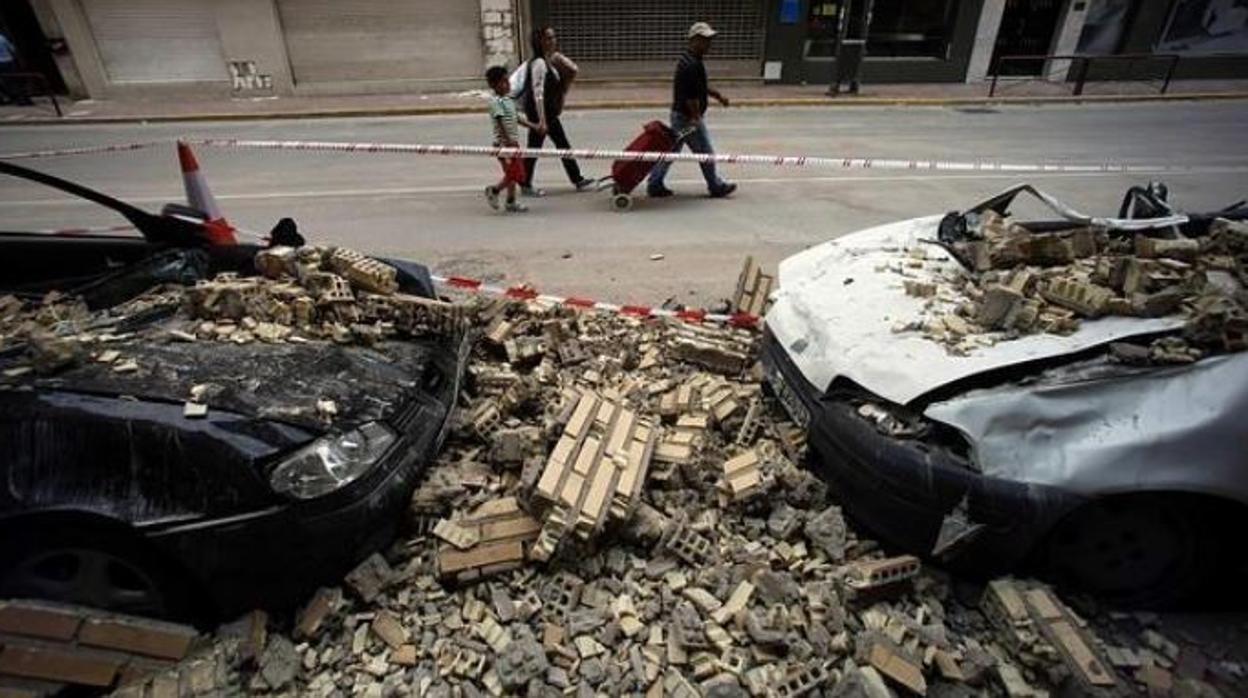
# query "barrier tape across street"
(528, 293)
(623, 155)
(658, 156)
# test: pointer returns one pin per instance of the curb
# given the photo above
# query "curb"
(619, 104)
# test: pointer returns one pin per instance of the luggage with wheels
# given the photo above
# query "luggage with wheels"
(655, 136)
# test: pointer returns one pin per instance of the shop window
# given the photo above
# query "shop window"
(899, 29)
(1206, 26)
(1105, 25)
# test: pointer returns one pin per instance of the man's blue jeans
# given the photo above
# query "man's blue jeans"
(699, 142)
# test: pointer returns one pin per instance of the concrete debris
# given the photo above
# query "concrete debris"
(496, 537)
(630, 518)
(1017, 283)
(370, 577)
(753, 289)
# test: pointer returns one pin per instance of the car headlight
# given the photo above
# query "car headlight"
(331, 462)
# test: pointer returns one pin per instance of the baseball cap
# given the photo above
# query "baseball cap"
(701, 29)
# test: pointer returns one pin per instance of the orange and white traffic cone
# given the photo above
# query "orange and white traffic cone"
(199, 197)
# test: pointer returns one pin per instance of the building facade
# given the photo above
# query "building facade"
(118, 49)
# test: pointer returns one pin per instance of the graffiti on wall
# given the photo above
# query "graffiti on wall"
(245, 78)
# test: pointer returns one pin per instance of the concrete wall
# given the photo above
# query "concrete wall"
(64, 60)
(985, 40)
(1066, 38)
(499, 32)
(254, 50)
(251, 39)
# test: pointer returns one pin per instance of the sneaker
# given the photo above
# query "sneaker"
(659, 192)
(532, 191)
(516, 207)
(726, 189)
(585, 184)
(491, 196)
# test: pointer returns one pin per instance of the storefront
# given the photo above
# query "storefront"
(1209, 36)
(926, 41)
(643, 37)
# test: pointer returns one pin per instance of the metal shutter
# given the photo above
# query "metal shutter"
(646, 30)
(156, 40)
(354, 40)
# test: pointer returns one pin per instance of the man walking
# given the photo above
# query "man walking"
(689, 102)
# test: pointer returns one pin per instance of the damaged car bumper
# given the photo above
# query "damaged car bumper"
(924, 499)
(305, 541)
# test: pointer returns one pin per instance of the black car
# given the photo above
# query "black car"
(114, 498)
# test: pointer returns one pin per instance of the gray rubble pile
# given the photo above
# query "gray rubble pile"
(621, 511)
(1020, 282)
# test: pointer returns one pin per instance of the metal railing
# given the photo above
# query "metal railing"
(1081, 65)
(34, 78)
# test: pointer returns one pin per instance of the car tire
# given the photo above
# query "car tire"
(1138, 552)
(94, 566)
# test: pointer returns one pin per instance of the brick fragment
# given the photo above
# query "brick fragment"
(140, 636)
(36, 619)
(60, 663)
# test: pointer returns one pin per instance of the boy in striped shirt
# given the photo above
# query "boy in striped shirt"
(506, 134)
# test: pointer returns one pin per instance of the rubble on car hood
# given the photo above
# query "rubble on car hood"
(322, 336)
(868, 303)
(621, 511)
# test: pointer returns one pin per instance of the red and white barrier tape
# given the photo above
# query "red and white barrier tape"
(84, 150)
(526, 293)
(653, 156)
(624, 155)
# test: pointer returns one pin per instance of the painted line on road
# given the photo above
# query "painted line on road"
(475, 189)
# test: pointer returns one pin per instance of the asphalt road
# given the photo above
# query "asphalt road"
(431, 208)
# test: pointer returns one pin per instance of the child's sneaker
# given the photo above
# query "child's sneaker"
(491, 196)
(516, 207)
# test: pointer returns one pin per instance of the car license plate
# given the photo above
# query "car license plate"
(787, 396)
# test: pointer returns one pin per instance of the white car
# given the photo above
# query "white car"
(1036, 450)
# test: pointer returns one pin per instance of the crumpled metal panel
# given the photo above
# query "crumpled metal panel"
(135, 461)
(1180, 428)
(272, 381)
(834, 314)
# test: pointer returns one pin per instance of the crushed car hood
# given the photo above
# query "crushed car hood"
(281, 382)
(1102, 428)
(835, 315)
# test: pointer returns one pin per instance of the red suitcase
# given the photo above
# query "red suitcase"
(655, 136)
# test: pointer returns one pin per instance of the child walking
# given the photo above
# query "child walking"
(506, 134)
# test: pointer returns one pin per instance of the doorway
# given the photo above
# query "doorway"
(18, 22)
(1027, 29)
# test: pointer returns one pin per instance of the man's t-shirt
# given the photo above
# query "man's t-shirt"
(503, 117)
(690, 83)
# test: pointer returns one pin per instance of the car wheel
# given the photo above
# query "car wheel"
(91, 569)
(1144, 552)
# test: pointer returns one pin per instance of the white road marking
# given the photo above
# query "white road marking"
(475, 189)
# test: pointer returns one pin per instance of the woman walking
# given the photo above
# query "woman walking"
(548, 77)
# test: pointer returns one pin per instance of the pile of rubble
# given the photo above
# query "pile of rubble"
(1018, 282)
(620, 511)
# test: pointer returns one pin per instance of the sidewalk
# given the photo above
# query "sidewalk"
(614, 95)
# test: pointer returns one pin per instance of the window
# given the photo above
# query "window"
(1103, 29)
(1206, 26)
(899, 29)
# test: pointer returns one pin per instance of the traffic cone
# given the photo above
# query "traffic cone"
(199, 197)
